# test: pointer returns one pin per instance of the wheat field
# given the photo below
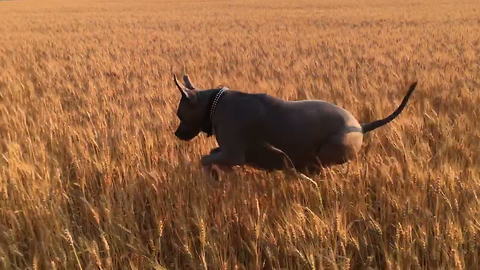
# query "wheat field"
(92, 177)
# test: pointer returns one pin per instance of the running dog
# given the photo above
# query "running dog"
(269, 133)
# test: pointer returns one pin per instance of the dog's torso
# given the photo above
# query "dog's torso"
(299, 128)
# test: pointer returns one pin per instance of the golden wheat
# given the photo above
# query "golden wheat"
(92, 177)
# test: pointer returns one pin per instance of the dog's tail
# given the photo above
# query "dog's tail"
(376, 124)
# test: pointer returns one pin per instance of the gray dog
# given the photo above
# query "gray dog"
(269, 133)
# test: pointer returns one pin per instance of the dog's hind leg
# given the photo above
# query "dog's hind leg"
(339, 149)
(288, 163)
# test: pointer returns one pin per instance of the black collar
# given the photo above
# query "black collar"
(212, 103)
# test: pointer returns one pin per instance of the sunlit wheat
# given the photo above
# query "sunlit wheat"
(92, 177)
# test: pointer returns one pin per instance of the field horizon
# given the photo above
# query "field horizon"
(92, 176)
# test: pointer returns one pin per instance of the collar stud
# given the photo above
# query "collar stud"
(215, 102)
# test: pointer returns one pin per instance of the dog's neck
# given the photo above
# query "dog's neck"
(213, 101)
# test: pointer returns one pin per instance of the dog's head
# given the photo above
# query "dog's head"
(191, 110)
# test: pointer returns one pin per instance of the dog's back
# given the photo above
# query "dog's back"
(299, 128)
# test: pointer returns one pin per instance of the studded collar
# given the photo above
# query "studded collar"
(208, 126)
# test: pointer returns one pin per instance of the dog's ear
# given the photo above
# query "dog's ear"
(188, 83)
(188, 93)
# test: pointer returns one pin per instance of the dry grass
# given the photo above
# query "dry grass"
(91, 175)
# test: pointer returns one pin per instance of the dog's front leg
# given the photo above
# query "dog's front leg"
(215, 150)
(220, 157)
(218, 161)
(215, 167)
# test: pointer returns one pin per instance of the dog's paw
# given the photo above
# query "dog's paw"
(217, 171)
(208, 170)
(205, 161)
